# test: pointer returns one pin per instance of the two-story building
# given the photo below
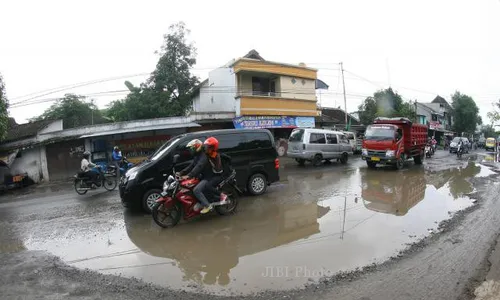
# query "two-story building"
(257, 93)
(438, 116)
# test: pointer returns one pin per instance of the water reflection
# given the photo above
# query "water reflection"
(392, 192)
(456, 179)
(207, 252)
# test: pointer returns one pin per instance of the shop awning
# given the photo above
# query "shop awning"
(144, 128)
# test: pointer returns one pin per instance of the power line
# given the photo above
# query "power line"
(211, 90)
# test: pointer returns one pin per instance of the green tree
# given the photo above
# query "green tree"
(465, 113)
(4, 114)
(74, 111)
(385, 103)
(488, 131)
(168, 91)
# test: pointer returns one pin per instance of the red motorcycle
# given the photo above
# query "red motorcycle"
(178, 199)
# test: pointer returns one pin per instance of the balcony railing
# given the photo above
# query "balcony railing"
(259, 94)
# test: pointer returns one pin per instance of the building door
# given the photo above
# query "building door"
(63, 159)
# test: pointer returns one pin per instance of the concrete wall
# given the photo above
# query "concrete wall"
(29, 162)
(301, 89)
(218, 94)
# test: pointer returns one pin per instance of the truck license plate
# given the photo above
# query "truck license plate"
(375, 159)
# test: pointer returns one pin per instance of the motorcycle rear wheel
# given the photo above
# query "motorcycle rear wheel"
(79, 187)
(229, 208)
(163, 216)
(110, 183)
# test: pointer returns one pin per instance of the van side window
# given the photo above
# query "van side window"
(231, 142)
(343, 139)
(317, 138)
(258, 140)
(331, 138)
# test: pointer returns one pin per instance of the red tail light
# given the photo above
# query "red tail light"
(277, 163)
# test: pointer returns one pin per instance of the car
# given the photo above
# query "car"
(454, 144)
(318, 145)
(490, 144)
(253, 156)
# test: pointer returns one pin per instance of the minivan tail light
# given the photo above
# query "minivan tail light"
(277, 163)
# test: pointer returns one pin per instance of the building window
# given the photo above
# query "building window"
(262, 86)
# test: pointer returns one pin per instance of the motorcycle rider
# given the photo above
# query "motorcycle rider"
(434, 144)
(86, 167)
(460, 146)
(202, 166)
(117, 159)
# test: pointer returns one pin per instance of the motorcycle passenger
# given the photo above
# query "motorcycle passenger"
(86, 167)
(215, 160)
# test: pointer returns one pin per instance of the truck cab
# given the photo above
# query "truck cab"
(393, 141)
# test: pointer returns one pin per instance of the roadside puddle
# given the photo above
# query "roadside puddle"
(317, 222)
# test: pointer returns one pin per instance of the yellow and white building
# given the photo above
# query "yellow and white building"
(256, 93)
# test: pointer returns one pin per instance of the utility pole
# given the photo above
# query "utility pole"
(92, 110)
(416, 116)
(343, 84)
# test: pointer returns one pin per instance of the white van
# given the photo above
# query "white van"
(318, 145)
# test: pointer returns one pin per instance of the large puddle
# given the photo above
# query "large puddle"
(316, 222)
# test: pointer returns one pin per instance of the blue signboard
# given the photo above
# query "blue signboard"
(258, 122)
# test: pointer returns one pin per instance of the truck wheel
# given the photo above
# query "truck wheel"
(399, 164)
(418, 159)
(371, 164)
(317, 160)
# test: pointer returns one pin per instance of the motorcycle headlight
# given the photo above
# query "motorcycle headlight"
(364, 151)
(389, 153)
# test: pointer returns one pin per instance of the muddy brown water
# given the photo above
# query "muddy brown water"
(316, 222)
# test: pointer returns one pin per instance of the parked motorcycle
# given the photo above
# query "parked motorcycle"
(83, 183)
(178, 199)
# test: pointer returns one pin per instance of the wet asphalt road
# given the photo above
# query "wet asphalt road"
(315, 223)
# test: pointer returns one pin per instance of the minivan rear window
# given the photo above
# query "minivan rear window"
(297, 135)
(258, 140)
(231, 142)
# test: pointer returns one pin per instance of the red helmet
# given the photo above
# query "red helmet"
(212, 143)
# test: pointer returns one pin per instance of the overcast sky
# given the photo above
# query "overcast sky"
(422, 48)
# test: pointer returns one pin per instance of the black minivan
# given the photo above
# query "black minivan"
(252, 152)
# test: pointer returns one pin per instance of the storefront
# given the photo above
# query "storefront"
(280, 127)
(138, 149)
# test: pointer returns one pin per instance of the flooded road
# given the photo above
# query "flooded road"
(315, 222)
